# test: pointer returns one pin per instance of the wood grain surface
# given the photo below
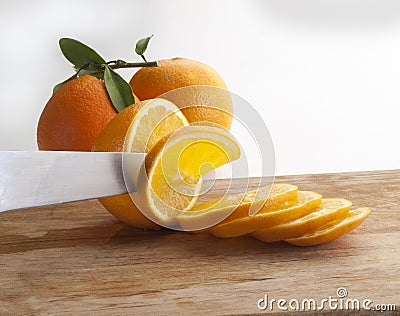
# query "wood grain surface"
(75, 259)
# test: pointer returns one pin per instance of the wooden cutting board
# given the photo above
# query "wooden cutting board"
(77, 259)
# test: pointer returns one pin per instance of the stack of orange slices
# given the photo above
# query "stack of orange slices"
(310, 221)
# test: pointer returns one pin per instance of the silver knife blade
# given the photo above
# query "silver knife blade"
(35, 178)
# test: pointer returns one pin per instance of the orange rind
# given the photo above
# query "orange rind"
(329, 210)
(307, 202)
(333, 229)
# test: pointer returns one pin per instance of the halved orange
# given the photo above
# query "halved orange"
(136, 129)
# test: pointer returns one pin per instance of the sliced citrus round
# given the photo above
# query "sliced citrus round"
(237, 206)
(171, 177)
(330, 209)
(136, 129)
(307, 202)
(332, 230)
(155, 120)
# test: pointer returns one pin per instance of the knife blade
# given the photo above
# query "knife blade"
(36, 178)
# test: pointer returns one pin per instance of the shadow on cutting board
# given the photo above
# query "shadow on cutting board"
(118, 235)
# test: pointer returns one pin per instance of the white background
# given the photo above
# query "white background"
(324, 74)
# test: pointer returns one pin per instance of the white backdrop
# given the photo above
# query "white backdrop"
(324, 75)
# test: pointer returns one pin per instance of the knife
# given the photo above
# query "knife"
(36, 178)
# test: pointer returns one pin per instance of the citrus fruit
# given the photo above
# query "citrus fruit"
(140, 126)
(171, 178)
(175, 73)
(136, 129)
(75, 115)
(307, 202)
(332, 230)
(330, 209)
(122, 207)
(236, 206)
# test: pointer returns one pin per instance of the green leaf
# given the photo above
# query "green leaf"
(78, 53)
(118, 89)
(141, 45)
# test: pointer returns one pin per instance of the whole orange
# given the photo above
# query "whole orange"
(75, 115)
(151, 82)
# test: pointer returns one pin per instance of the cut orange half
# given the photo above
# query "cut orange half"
(136, 129)
(332, 230)
(307, 202)
(329, 210)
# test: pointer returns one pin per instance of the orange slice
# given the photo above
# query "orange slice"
(329, 210)
(333, 229)
(307, 202)
(171, 178)
(236, 206)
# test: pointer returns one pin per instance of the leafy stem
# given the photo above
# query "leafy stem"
(87, 61)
